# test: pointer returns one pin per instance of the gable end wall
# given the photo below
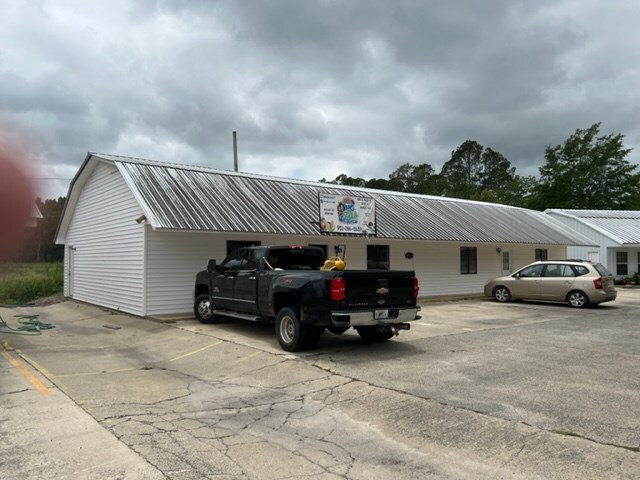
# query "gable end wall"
(106, 266)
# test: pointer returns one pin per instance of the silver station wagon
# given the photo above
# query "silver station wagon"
(576, 282)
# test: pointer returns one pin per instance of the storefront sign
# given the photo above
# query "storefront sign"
(347, 214)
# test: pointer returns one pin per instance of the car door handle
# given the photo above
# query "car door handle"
(252, 278)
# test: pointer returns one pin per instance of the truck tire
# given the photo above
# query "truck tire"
(375, 334)
(203, 309)
(292, 333)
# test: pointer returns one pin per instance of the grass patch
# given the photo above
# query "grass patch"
(25, 282)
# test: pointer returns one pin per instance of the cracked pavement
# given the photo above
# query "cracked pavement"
(474, 390)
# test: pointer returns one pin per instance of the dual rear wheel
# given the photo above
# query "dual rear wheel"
(294, 335)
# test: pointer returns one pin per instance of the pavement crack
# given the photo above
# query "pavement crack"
(588, 439)
(16, 391)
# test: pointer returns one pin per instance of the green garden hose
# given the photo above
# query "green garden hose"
(29, 325)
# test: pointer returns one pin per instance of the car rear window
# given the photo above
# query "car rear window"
(580, 270)
(601, 269)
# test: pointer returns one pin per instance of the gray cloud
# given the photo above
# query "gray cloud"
(314, 89)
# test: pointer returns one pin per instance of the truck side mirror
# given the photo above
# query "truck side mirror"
(211, 265)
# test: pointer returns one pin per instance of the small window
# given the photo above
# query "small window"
(468, 260)
(531, 272)
(233, 245)
(506, 262)
(580, 270)
(601, 269)
(553, 271)
(622, 265)
(377, 257)
(541, 254)
(233, 261)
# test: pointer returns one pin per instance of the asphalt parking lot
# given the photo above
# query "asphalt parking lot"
(475, 389)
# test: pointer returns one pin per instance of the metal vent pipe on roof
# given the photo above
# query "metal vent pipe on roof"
(235, 151)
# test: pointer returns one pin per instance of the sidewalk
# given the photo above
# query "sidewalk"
(45, 435)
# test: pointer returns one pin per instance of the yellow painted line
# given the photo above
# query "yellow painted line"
(244, 359)
(24, 371)
(101, 372)
(196, 351)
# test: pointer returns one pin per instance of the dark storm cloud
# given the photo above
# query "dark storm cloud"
(316, 88)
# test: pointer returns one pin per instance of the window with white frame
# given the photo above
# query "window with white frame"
(622, 263)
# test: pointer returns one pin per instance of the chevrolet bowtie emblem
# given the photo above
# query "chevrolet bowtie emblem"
(382, 290)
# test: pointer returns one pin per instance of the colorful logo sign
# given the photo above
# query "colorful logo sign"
(347, 214)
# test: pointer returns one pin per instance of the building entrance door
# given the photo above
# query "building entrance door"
(506, 262)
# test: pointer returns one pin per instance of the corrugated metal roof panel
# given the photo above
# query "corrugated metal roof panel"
(624, 225)
(179, 197)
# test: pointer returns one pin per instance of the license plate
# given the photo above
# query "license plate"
(380, 314)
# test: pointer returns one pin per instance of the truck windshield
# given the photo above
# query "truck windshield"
(298, 259)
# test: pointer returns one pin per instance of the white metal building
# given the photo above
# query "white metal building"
(615, 232)
(137, 231)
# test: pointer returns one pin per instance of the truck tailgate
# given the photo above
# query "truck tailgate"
(378, 288)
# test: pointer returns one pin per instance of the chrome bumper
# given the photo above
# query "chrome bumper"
(361, 318)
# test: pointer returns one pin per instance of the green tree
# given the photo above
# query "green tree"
(378, 184)
(588, 171)
(462, 172)
(496, 172)
(344, 179)
(411, 178)
(480, 173)
(38, 245)
(519, 192)
(51, 210)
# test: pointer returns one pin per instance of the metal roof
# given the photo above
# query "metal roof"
(622, 226)
(191, 198)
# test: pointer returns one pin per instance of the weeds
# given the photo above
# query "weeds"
(24, 282)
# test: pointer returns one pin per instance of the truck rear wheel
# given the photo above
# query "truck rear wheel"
(292, 333)
(375, 334)
(203, 309)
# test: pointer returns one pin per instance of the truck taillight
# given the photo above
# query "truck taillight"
(337, 290)
(416, 287)
(597, 282)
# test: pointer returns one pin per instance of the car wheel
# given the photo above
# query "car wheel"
(292, 333)
(203, 309)
(501, 294)
(577, 299)
(375, 334)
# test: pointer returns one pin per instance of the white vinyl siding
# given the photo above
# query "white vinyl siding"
(584, 253)
(174, 259)
(607, 250)
(437, 264)
(108, 256)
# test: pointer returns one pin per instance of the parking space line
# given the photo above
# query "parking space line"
(196, 351)
(24, 371)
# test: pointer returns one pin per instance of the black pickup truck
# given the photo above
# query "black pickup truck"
(285, 283)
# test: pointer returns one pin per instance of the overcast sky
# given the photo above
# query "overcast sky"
(313, 88)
